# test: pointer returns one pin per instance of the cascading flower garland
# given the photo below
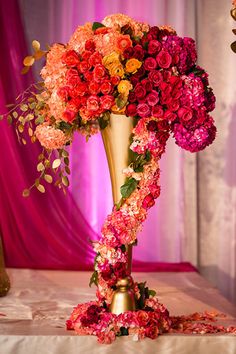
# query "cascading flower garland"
(125, 67)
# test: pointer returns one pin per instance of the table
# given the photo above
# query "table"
(33, 315)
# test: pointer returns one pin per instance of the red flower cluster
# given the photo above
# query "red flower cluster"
(89, 87)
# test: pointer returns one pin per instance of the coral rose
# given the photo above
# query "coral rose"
(107, 101)
(143, 110)
(93, 103)
(164, 59)
(123, 42)
(70, 58)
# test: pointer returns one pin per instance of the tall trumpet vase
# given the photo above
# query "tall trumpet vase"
(4, 279)
(116, 138)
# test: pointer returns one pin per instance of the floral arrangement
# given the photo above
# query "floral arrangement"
(126, 67)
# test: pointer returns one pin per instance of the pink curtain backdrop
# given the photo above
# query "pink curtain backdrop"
(51, 230)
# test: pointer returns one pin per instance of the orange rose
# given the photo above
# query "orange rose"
(110, 59)
(123, 42)
(132, 65)
(116, 69)
(116, 110)
(124, 87)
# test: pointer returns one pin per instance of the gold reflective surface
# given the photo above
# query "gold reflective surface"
(116, 139)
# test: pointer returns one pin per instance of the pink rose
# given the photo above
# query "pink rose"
(157, 111)
(93, 103)
(173, 105)
(155, 190)
(154, 47)
(185, 114)
(152, 98)
(63, 92)
(140, 91)
(155, 77)
(170, 116)
(131, 110)
(143, 110)
(150, 64)
(164, 59)
(107, 101)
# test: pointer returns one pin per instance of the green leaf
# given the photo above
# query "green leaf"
(94, 279)
(15, 114)
(128, 188)
(65, 153)
(97, 25)
(39, 120)
(151, 292)
(9, 119)
(124, 331)
(121, 101)
(23, 107)
(103, 123)
(67, 169)
(66, 161)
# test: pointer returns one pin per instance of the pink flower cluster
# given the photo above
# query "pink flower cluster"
(92, 318)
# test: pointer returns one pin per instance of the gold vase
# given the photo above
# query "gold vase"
(4, 279)
(116, 139)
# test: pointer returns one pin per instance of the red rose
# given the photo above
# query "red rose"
(173, 105)
(141, 71)
(164, 59)
(154, 31)
(132, 97)
(163, 125)
(107, 101)
(95, 58)
(80, 90)
(72, 77)
(166, 75)
(154, 47)
(93, 103)
(76, 102)
(152, 126)
(152, 331)
(140, 91)
(134, 80)
(63, 92)
(128, 53)
(131, 110)
(115, 80)
(70, 58)
(106, 87)
(99, 72)
(147, 84)
(157, 111)
(90, 45)
(162, 137)
(120, 270)
(68, 115)
(88, 76)
(86, 55)
(94, 87)
(148, 202)
(150, 64)
(152, 98)
(155, 190)
(84, 66)
(138, 52)
(155, 77)
(185, 114)
(170, 116)
(143, 110)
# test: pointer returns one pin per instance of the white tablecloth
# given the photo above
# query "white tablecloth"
(33, 315)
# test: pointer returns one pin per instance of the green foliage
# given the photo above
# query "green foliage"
(129, 186)
(97, 25)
